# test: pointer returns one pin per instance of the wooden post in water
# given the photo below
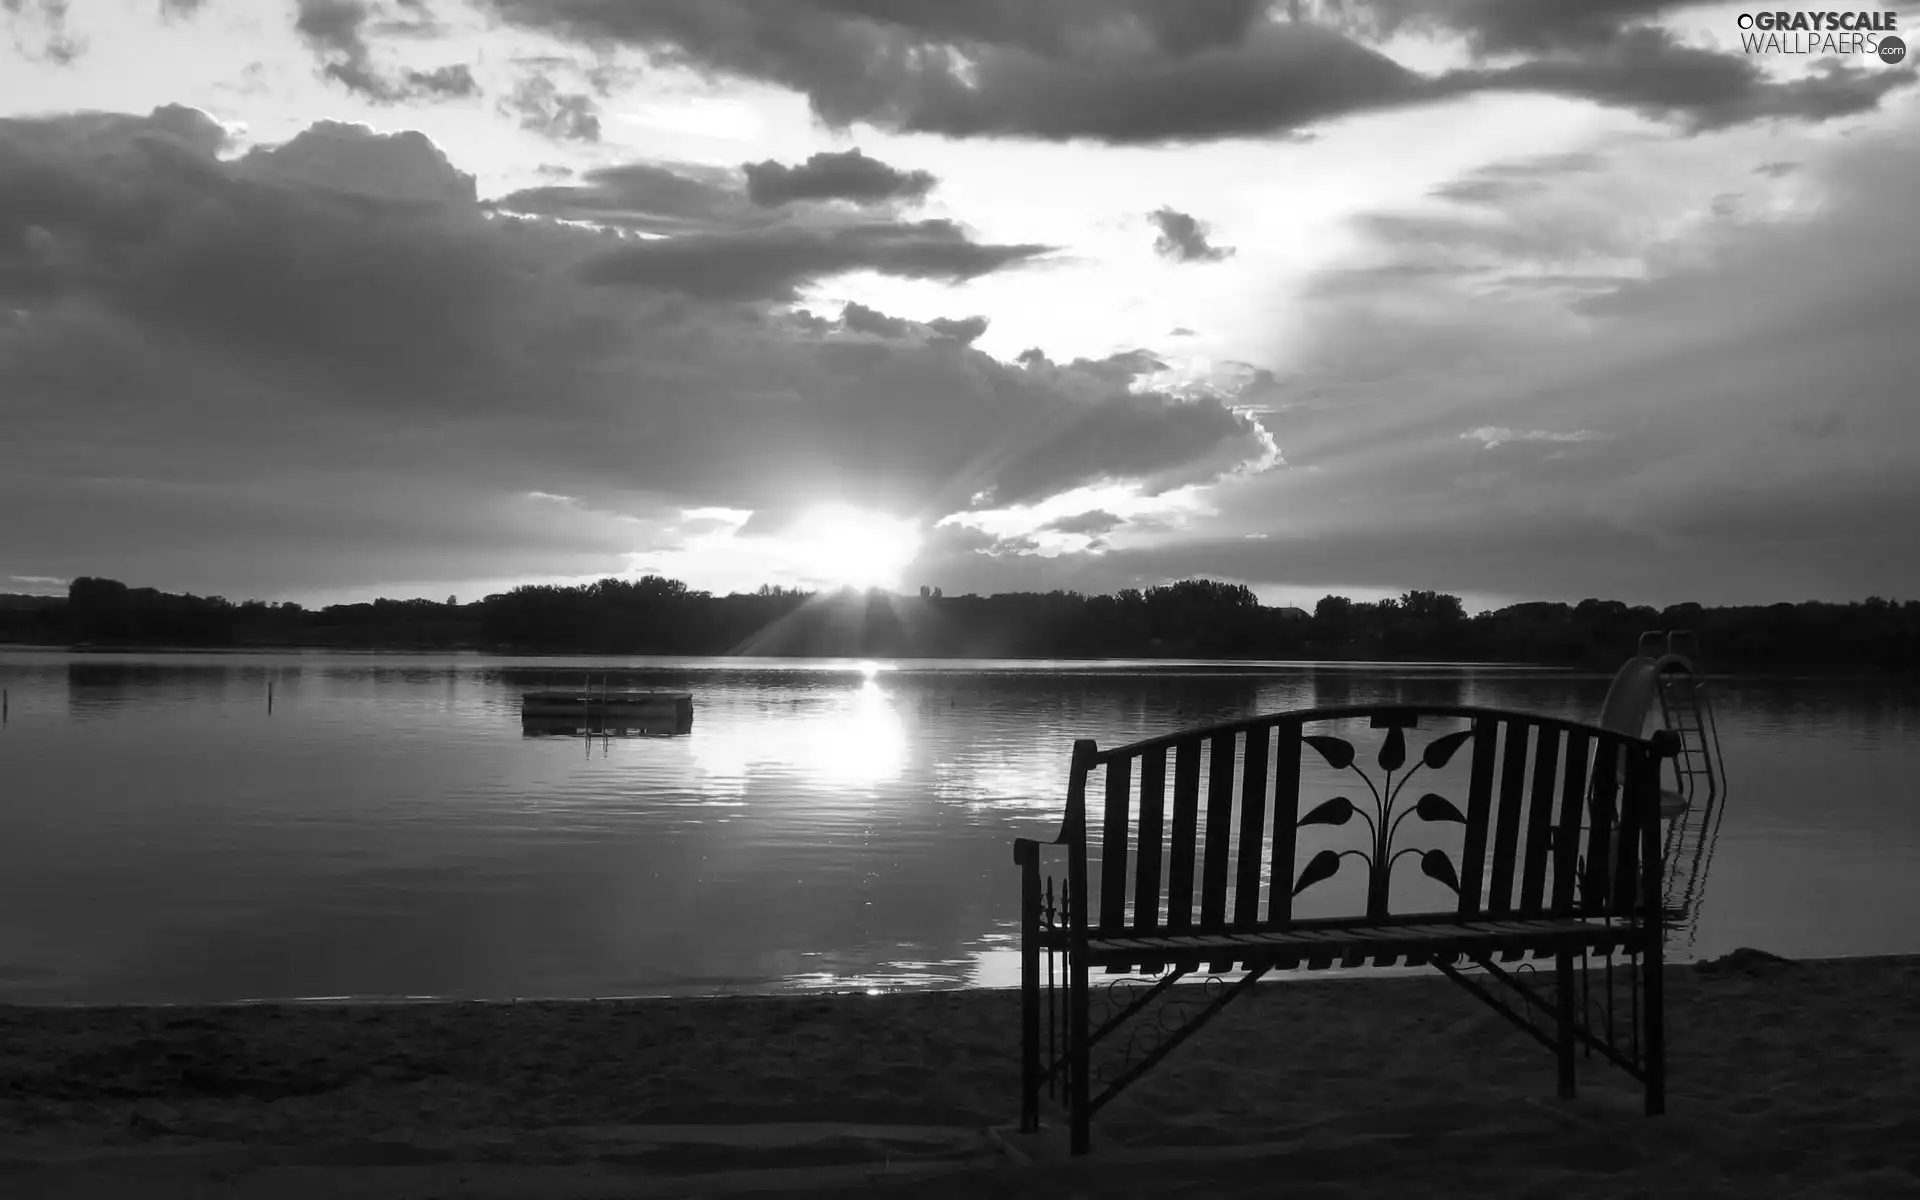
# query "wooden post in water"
(269, 697)
(4, 698)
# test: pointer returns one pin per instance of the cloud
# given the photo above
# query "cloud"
(773, 263)
(1184, 239)
(1720, 416)
(644, 196)
(730, 247)
(1501, 26)
(1093, 523)
(40, 30)
(964, 330)
(1499, 183)
(454, 81)
(1649, 71)
(858, 318)
(834, 176)
(335, 31)
(861, 319)
(1492, 436)
(180, 8)
(334, 156)
(1141, 71)
(327, 363)
(1159, 440)
(543, 108)
(1715, 416)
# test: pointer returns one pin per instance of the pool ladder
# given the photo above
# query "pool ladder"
(1700, 773)
(1687, 710)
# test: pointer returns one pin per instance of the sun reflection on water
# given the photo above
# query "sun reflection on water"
(852, 737)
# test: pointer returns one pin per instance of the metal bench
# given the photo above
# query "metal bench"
(1230, 847)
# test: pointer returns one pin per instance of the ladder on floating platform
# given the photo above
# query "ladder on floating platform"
(1686, 709)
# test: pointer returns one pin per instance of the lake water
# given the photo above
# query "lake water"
(388, 830)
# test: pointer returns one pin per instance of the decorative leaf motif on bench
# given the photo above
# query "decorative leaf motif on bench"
(1337, 811)
(1440, 751)
(1321, 866)
(1337, 751)
(1393, 754)
(1435, 807)
(1436, 865)
(1383, 822)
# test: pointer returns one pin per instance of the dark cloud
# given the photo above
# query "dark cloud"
(727, 247)
(327, 364)
(261, 265)
(331, 28)
(1143, 71)
(1093, 523)
(1774, 170)
(1140, 433)
(1120, 369)
(180, 8)
(542, 107)
(834, 176)
(858, 318)
(773, 263)
(454, 82)
(1140, 71)
(861, 319)
(1500, 26)
(1649, 71)
(350, 161)
(335, 30)
(649, 197)
(40, 30)
(965, 330)
(1183, 239)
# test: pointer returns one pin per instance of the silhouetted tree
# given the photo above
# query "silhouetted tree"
(1198, 618)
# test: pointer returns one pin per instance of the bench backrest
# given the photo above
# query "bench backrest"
(1504, 814)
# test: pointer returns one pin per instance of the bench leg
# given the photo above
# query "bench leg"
(1653, 1004)
(1079, 1073)
(1563, 1003)
(1030, 1065)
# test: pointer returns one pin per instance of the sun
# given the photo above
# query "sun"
(843, 546)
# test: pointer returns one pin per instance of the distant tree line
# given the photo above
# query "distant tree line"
(1195, 618)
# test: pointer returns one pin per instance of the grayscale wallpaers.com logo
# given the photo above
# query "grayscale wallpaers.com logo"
(1823, 33)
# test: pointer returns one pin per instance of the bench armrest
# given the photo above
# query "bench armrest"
(1026, 851)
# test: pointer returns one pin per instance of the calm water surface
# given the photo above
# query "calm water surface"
(388, 829)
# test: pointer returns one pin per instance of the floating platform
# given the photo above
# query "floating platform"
(606, 726)
(676, 707)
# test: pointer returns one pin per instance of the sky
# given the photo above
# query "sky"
(321, 300)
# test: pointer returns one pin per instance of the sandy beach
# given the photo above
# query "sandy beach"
(1787, 1079)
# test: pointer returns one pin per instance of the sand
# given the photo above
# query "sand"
(1787, 1079)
